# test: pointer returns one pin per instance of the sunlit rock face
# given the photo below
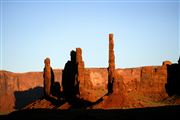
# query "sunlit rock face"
(165, 63)
(95, 85)
(149, 80)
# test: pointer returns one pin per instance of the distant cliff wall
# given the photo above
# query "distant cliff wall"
(148, 81)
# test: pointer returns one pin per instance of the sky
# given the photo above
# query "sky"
(146, 32)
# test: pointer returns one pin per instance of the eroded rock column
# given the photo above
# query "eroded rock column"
(111, 69)
(80, 69)
(48, 76)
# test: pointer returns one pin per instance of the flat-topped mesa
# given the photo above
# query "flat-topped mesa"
(111, 69)
(80, 69)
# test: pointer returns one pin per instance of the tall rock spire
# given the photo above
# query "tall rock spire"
(111, 69)
(80, 70)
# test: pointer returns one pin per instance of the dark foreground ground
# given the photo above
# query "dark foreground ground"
(161, 113)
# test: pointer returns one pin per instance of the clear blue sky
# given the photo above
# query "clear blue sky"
(146, 32)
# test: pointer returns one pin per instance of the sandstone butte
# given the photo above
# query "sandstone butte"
(98, 88)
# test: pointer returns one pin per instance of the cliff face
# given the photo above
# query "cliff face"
(15, 86)
(11, 82)
(148, 81)
(95, 85)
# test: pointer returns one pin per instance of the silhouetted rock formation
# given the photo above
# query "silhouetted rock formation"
(69, 81)
(111, 69)
(56, 90)
(80, 83)
(48, 78)
(173, 79)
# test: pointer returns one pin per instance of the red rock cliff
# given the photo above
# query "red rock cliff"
(11, 83)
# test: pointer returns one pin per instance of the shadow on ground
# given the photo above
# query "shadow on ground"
(23, 98)
(165, 112)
